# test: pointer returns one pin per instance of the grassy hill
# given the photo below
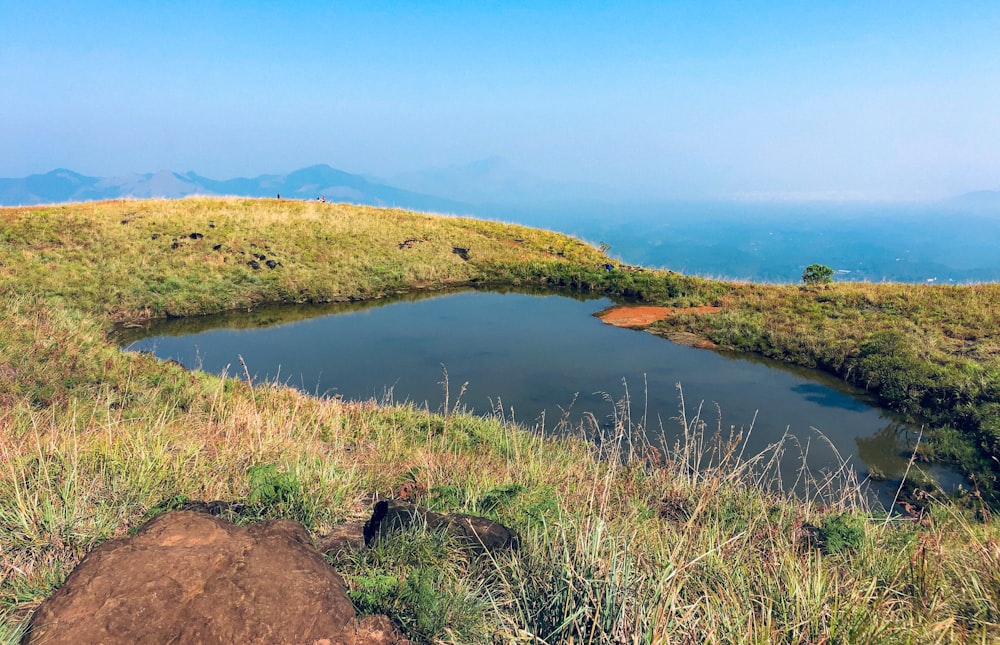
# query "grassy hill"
(620, 543)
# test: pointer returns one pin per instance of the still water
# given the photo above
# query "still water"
(539, 358)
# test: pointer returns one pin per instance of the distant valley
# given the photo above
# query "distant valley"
(933, 243)
(952, 241)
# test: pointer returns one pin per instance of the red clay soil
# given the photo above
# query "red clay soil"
(627, 316)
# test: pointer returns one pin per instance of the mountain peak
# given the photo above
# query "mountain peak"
(62, 172)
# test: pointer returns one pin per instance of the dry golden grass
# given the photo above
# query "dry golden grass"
(128, 259)
(680, 546)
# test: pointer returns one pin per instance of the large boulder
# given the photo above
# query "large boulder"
(189, 577)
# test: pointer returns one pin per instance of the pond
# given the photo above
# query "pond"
(542, 359)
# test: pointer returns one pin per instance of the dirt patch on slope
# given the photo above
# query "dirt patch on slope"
(629, 316)
(642, 317)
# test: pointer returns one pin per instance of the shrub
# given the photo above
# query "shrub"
(840, 533)
(817, 274)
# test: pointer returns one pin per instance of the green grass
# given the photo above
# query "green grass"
(620, 543)
(931, 352)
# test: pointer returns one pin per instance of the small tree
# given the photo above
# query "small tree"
(817, 274)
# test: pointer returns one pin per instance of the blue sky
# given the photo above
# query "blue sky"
(667, 99)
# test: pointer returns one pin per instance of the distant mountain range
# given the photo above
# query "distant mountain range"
(449, 189)
(63, 185)
(486, 187)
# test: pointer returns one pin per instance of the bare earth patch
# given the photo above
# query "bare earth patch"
(639, 317)
(628, 316)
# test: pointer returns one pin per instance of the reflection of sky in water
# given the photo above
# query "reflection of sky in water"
(821, 395)
(538, 355)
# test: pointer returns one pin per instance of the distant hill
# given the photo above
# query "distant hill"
(63, 185)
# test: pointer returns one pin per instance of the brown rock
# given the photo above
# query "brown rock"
(378, 629)
(188, 577)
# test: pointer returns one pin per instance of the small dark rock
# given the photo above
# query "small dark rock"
(806, 536)
(460, 252)
(271, 264)
(196, 236)
(124, 222)
(175, 245)
(260, 256)
(254, 264)
(211, 225)
(479, 534)
(155, 236)
(217, 247)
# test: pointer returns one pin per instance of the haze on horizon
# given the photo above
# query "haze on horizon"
(713, 99)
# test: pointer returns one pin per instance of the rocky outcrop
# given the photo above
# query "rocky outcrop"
(189, 577)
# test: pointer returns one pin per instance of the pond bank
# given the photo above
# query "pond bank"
(641, 317)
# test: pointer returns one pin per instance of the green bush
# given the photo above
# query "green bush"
(817, 274)
(841, 533)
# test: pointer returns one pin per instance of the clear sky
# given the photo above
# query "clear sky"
(873, 99)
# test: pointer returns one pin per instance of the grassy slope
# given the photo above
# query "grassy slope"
(682, 546)
(929, 351)
(129, 259)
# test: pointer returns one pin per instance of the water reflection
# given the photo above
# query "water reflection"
(827, 397)
(888, 450)
(276, 315)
